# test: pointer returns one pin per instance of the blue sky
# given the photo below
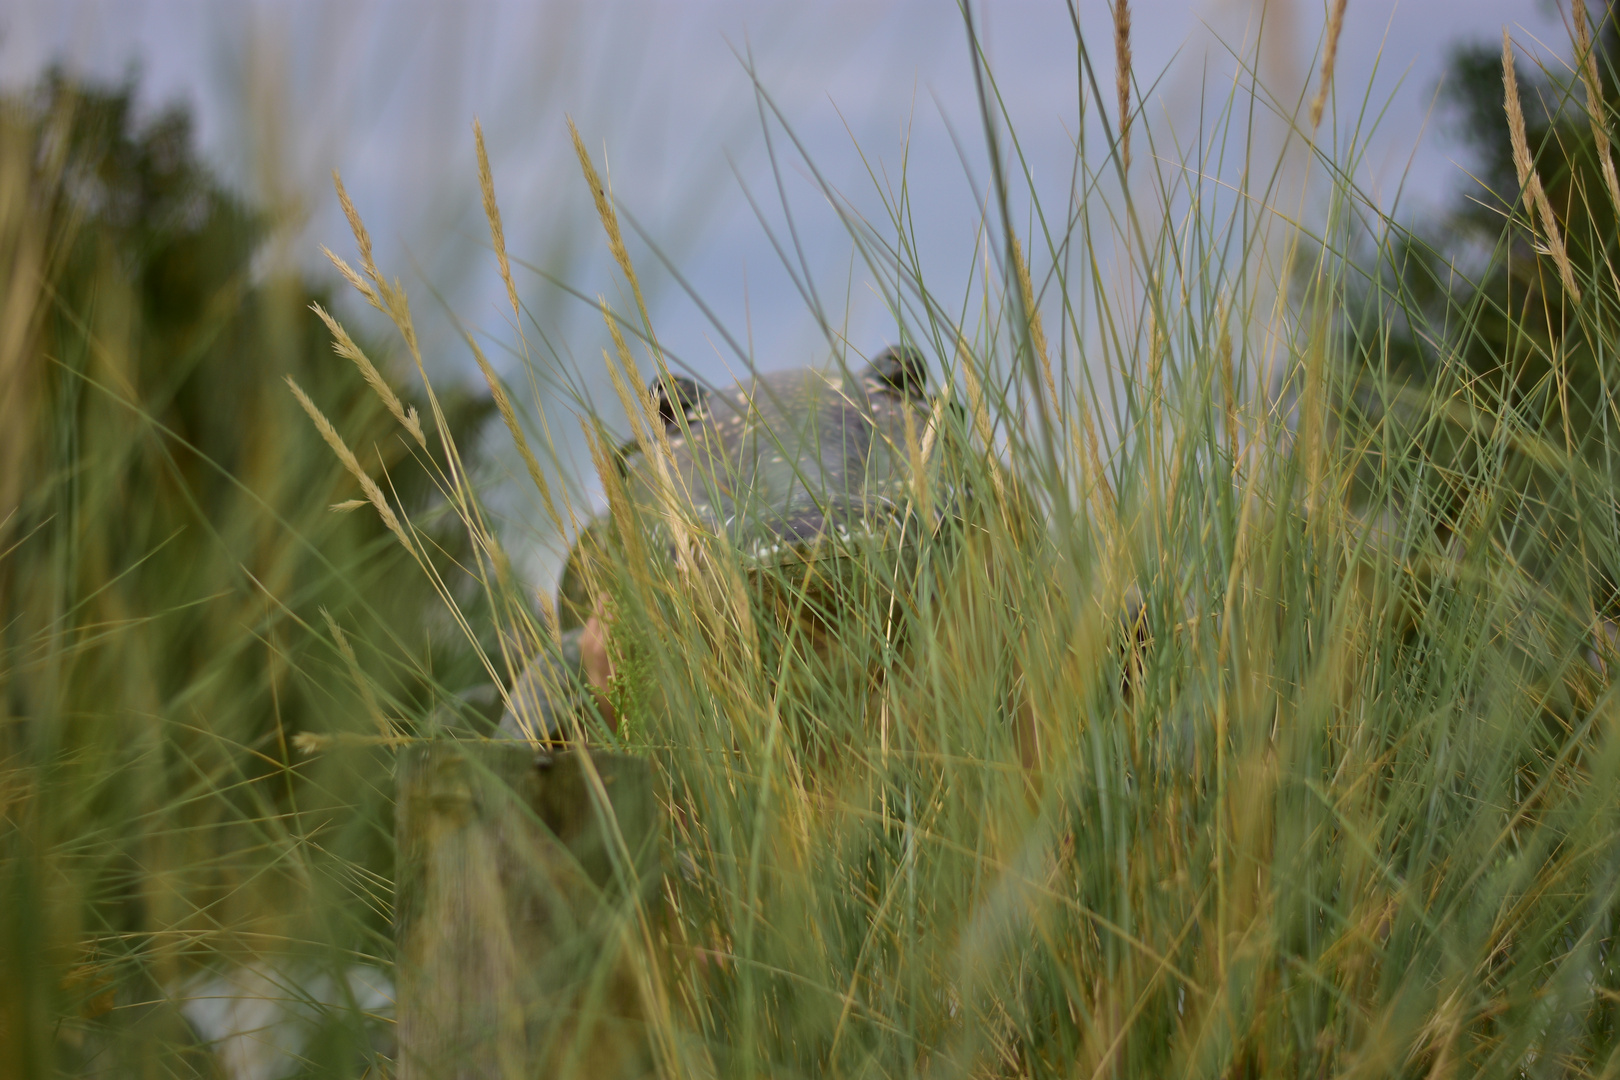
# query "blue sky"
(386, 90)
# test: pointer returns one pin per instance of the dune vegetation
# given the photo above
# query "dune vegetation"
(1240, 705)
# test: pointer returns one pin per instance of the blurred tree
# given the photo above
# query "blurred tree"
(1514, 323)
(1473, 344)
(166, 554)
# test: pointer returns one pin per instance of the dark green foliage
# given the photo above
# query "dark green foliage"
(1464, 334)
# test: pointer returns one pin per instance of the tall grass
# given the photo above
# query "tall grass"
(1242, 707)
(180, 604)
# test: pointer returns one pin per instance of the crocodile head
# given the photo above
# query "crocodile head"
(805, 475)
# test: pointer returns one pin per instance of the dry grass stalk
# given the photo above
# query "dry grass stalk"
(350, 462)
(1529, 181)
(548, 615)
(977, 406)
(1122, 80)
(1228, 375)
(360, 284)
(917, 451)
(647, 426)
(1330, 56)
(497, 235)
(1595, 109)
(626, 378)
(385, 727)
(637, 397)
(1094, 462)
(1037, 332)
(607, 471)
(979, 410)
(633, 395)
(344, 346)
(391, 300)
(610, 221)
(1157, 347)
(362, 238)
(492, 211)
(309, 743)
(503, 405)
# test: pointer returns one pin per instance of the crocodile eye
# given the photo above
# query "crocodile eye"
(677, 397)
(899, 368)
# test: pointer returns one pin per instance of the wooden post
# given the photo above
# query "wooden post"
(515, 912)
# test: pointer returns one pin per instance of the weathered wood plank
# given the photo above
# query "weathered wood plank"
(514, 912)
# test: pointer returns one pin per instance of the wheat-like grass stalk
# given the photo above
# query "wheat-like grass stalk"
(344, 346)
(631, 389)
(610, 221)
(385, 726)
(979, 412)
(351, 463)
(639, 409)
(492, 211)
(1596, 110)
(503, 405)
(1529, 180)
(644, 421)
(497, 236)
(1330, 56)
(1228, 376)
(1122, 78)
(604, 461)
(362, 238)
(917, 462)
(390, 298)
(358, 283)
(1093, 458)
(371, 286)
(1037, 332)
(452, 476)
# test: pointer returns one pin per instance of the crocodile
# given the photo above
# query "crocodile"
(793, 467)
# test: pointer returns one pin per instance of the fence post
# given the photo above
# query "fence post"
(515, 912)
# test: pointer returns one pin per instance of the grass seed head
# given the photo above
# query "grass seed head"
(1529, 180)
(1330, 57)
(1122, 78)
